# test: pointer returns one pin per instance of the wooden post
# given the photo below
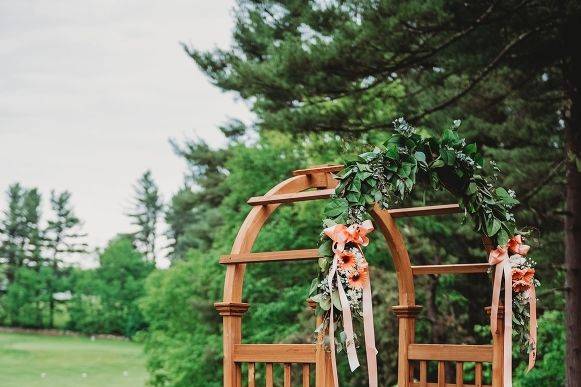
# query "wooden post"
(406, 317)
(231, 313)
(322, 365)
(497, 348)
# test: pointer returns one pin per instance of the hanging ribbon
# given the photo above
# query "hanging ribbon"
(341, 235)
(503, 268)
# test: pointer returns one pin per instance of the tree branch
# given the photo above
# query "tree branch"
(475, 80)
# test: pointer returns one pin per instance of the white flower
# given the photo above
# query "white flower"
(517, 260)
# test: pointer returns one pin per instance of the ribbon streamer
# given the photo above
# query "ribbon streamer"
(503, 269)
(341, 235)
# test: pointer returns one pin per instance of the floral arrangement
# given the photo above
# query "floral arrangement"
(385, 176)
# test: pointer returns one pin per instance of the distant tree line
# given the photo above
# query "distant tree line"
(44, 279)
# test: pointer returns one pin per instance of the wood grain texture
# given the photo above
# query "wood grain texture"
(306, 375)
(269, 377)
(414, 384)
(460, 268)
(459, 374)
(478, 375)
(299, 188)
(441, 374)
(270, 256)
(291, 197)
(324, 168)
(441, 209)
(251, 375)
(275, 353)
(287, 375)
(450, 352)
(423, 373)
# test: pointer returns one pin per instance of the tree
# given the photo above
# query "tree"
(192, 214)
(62, 237)
(21, 242)
(105, 300)
(146, 212)
(510, 69)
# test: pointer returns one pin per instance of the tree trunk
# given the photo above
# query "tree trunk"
(573, 204)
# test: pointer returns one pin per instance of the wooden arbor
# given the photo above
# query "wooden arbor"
(318, 183)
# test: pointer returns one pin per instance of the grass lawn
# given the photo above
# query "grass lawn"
(28, 360)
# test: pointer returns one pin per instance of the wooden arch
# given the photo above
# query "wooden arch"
(318, 183)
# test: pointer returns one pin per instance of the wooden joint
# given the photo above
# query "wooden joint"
(500, 316)
(326, 168)
(406, 311)
(231, 308)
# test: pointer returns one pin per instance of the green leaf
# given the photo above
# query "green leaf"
(404, 170)
(314, 286)
(502, 237)
(501, 192)
(336, 207)
(420, 156)
(470, 149)
(448, 156)
(493, 227)
(392, 152)
(355, 185)
(325, 303)
(438, 163)
(336, 300)
(472, 188)
(325, 249)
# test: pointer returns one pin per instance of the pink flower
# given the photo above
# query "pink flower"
(522, 279)
(516, 245)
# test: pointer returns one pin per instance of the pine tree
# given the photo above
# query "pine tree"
(21, 243)
(192, 214)
(62, 237)
(510, 69)
(145, 215)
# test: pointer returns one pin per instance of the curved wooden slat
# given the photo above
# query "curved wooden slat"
(442, 209)
(325, 168)
(291, 197)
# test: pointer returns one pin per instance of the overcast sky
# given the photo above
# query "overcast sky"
(91, 91)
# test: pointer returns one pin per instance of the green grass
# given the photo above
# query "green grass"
(59, 361)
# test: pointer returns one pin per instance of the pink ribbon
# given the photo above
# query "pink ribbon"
(500, 258)
(341, 235)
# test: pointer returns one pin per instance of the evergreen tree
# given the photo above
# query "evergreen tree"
(509, 69)
(21, 243)
(192, 214)
(62, 237)
(145, 214)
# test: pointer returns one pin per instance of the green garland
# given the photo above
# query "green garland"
(387, 175)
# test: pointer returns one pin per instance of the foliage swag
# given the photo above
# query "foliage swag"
(387, 175)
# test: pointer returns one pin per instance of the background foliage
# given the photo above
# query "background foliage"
(325, 80)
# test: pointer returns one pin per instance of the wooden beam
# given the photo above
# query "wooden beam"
(325, 168)
(450, 352)
(463, 268)
(274, 353)
(270, 256)
(443, 209)
(419, 384)
(291, 197)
